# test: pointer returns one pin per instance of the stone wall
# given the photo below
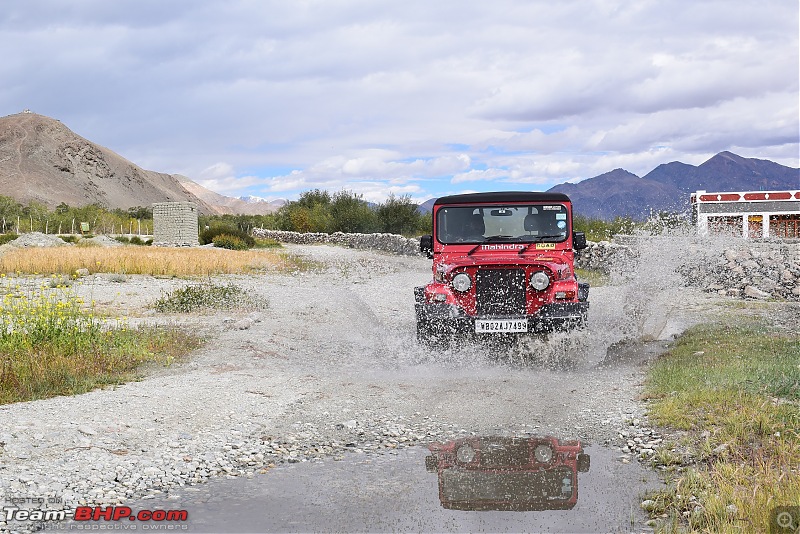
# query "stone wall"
(601, 255)
(396, 244)
(732, 267)
(175, 224)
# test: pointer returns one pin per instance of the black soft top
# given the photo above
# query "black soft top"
(502, 196)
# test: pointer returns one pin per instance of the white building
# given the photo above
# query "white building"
(748, 214)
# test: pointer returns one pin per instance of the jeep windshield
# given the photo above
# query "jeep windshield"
(518, 223)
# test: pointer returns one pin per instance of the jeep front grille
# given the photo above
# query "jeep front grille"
(511, 452)
(500, 292)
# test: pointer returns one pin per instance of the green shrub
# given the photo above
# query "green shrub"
(199, 297)
(7, 238)
(51, 344)
(207, 236)
(600, 230)
(122, 239)
(136, 240)
(230, 242)
(400, 215)
(148, 242)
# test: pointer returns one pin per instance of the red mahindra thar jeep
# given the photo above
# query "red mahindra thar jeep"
(503, 263)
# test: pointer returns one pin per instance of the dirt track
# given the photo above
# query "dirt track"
(330, 366)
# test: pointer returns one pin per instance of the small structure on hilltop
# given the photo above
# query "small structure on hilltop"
(175, 224)
(747, 214)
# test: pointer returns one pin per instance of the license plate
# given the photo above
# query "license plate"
(487, 326)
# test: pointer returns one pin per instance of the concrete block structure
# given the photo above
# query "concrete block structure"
(175, 224)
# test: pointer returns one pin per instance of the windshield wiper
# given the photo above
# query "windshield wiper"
(476, 247)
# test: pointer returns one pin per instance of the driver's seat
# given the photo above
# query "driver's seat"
(531, 223)
(475, 227)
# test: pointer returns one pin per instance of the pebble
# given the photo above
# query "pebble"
(243, 324)
(187, 459)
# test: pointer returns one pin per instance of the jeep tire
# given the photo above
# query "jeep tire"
(427, 336)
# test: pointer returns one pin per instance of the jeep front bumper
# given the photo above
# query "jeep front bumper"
(447, 318)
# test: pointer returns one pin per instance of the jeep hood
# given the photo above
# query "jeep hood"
(554, 261)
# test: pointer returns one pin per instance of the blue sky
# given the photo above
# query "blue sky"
(272, 98)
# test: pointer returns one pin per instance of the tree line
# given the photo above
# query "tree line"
(344, 211)
(64, 219)
(314, 211)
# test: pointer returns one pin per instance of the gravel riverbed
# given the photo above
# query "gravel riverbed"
(330, 367)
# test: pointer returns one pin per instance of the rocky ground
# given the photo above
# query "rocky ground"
(330, 368)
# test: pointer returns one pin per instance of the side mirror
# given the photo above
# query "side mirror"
(578, 240)
(426, 245)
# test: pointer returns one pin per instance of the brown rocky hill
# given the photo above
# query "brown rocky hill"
(224, 204)
(44, 161)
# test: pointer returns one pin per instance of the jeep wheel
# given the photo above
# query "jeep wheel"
(583, 321)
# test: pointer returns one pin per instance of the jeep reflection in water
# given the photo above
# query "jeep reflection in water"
(503, 263)
(484, 473)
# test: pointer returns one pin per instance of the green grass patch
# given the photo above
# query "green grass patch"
(264, 242)
(293, 263)
(208, 297)
(736, 389)
(593, 277)
(730, 357)
(51, 344)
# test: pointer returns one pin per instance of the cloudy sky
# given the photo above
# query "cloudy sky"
(419, 97)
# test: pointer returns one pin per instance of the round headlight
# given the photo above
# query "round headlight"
(462, 282)
(540, 280)
(465, 454)
(543, 454)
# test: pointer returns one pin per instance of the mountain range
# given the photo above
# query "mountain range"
(44, 161)
(667, 187)
(620, 193)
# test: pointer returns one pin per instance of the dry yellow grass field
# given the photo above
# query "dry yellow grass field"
(143, 260)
